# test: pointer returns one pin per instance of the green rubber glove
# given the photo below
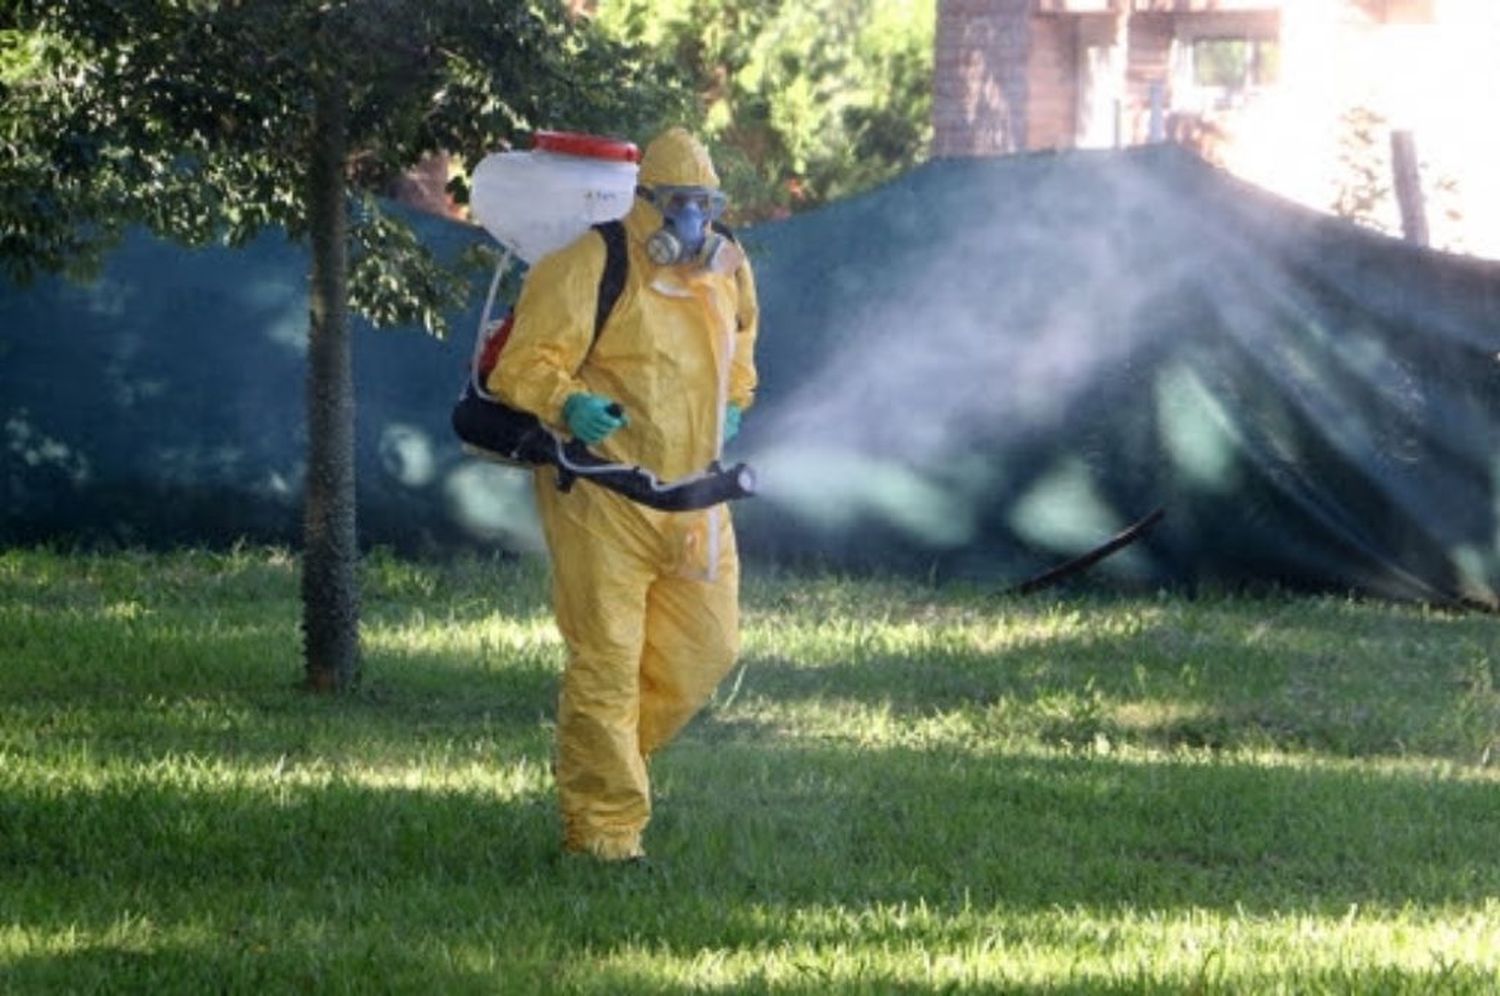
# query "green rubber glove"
(591, 418)
(732, 415)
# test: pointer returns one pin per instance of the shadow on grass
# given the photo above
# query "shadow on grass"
(908, 825)
(759, 848)
(765, 842)
(239, 965)
(1184, 675)
(147, 832)
(794, 825)
(137, 689)
(504, 714)
(1348, 681)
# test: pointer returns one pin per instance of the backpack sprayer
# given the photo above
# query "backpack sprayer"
(533, 203)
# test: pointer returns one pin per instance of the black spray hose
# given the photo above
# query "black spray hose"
(702, 490)
(1084, 561)
(518, 437)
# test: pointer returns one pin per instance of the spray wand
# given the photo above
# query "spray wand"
(707, 488)
(520, 438)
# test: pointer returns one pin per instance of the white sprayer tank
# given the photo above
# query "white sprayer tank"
(539, 200)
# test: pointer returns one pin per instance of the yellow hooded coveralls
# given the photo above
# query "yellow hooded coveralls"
(647, 601)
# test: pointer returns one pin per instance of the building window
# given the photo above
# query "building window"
(1234, 65)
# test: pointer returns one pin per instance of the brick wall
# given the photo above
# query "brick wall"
(980, 90)
(1009, 73)
(425, 187)
(1052, 83)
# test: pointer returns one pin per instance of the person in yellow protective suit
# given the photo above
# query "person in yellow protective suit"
(646, 600)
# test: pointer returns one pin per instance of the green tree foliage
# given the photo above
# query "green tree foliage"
(210, 120)
(194, 118)
(802, 102)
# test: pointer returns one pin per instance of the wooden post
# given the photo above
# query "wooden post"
(1408, 180)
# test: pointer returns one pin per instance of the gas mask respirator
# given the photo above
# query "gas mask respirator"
(686, 236)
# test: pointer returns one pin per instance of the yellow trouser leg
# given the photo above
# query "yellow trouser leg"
(692, 639)
(599, 595)
(647, 645)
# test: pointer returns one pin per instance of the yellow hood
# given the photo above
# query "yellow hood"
(676, 159)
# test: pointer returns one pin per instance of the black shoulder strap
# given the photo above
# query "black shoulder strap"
(617, 265)
(612, 280)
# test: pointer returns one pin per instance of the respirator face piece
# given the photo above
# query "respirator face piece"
(687, 213)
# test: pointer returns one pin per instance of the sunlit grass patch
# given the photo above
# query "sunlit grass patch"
(906, 788)
(921, 948)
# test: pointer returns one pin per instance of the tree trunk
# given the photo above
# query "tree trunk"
(330, 584)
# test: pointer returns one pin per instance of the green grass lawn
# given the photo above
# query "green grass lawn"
(907, 789)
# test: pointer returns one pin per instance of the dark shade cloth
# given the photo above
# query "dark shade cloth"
(978, 370)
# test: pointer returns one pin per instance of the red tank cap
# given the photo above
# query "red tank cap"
(573, 143)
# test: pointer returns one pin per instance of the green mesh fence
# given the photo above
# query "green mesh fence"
(979, 370)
